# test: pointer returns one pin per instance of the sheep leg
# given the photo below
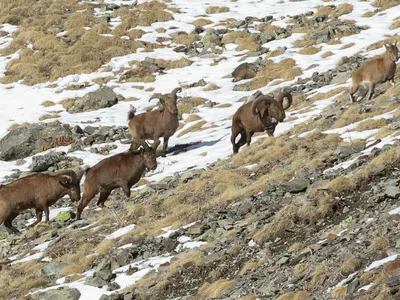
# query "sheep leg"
(127, 190)
(248, 137)
(165, 146)
(103, 197)
(353, 90)
(46, 215)
(242, 141)
(39, 215)
(8, 223)
(371, 90)
(84, 202)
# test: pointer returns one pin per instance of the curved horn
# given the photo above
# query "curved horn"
(174, 92)
(146, 146)
(289, 98)
(155, 96)
(257, 101)
(134, 148)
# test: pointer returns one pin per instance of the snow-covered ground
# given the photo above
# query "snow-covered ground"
(22, 103)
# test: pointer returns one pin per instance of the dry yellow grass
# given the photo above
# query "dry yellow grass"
(372, 124)
(395, 25)
(173, 64)
(296, 247)
(309, 50)
(300, 295)
(79, 51)
(379, 244)
(201, 22)
(16, 126)
(18, 280)
(233, 37)
(217, 9)
(350, 265)
(276, 52)
(196, 127)
(327, 54)
(214, 289)
(48, 103)
(211, 87)
(329, 94)
(300, 268)
(249, 266)
(192, 118)
(285, 69)
(49, 116)
(186, 39)
(385, 4)
(339, 292)
(320, 274)
(347, 46)
(303, 43)
(380, 44)
(368, 14)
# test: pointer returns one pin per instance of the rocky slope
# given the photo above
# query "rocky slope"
(309, 214)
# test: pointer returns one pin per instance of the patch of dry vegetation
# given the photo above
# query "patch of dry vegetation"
(285, 69)
(215, 289)
(196, 127)
(211, 87)
(347, 46)
(49, 116)
(46, 57)
(17, 126)
(48, 103)
(327, 54)
(300, 295)
(217, 9)
(309, 50)
(341, 9)
(186, 39)
(372, 124)
(276, 52)
(201, 22)
(18, 280)
(385, 4)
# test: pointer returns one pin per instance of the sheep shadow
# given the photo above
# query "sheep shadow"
(179, 148)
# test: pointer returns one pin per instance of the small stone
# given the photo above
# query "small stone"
(331, 237)
(103, 270)
(392, 191)
(296, 185)
(284, 260)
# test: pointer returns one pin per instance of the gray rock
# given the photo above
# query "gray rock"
(103, 270)
(191, 174)
(284, 260)
(43, 162)
(53, 269)
(296, 185)
(102, 98)
(96, 282)
(344, 151)
(63, 293)
(392, 191)
(34, 138)
(196, 229)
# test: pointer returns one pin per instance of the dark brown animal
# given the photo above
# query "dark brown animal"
(262, 114)
(119, 171)
(378, 70)
(157, 123)
(38, 191)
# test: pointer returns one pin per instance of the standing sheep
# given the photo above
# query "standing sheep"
(121, 170)
(378, 70)
(157, 123)
(262, 114)
(38, 191)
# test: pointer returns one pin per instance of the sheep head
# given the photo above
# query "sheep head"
(168, 100)
(268, 109)
(73, 188)
(392, 51)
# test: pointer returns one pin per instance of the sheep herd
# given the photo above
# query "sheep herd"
(123, 170)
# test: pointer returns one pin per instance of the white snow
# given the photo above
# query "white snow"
(120, 232)
(27, 258)
(378, 263)
(252, 243)
(395, 211)
(42, 247)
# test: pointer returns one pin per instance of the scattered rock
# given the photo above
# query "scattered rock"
(103, 270)
(63, 293)
(53, 269)
(102, 98)
(43, 162)
(296, 185)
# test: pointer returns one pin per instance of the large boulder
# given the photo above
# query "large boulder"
(43, 162)
(34, 138)
(63, 293)
(102, 98)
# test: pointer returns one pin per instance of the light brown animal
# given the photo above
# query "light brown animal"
(157, 123)
(38, 191)
(122, 170)
(262, 114)
(378, 70)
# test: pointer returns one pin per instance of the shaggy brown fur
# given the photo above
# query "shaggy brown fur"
(38, 191)
(262, 114)
(378, 70)
(157, 123)
(121, 170)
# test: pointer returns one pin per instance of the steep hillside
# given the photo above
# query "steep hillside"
(310, 213)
